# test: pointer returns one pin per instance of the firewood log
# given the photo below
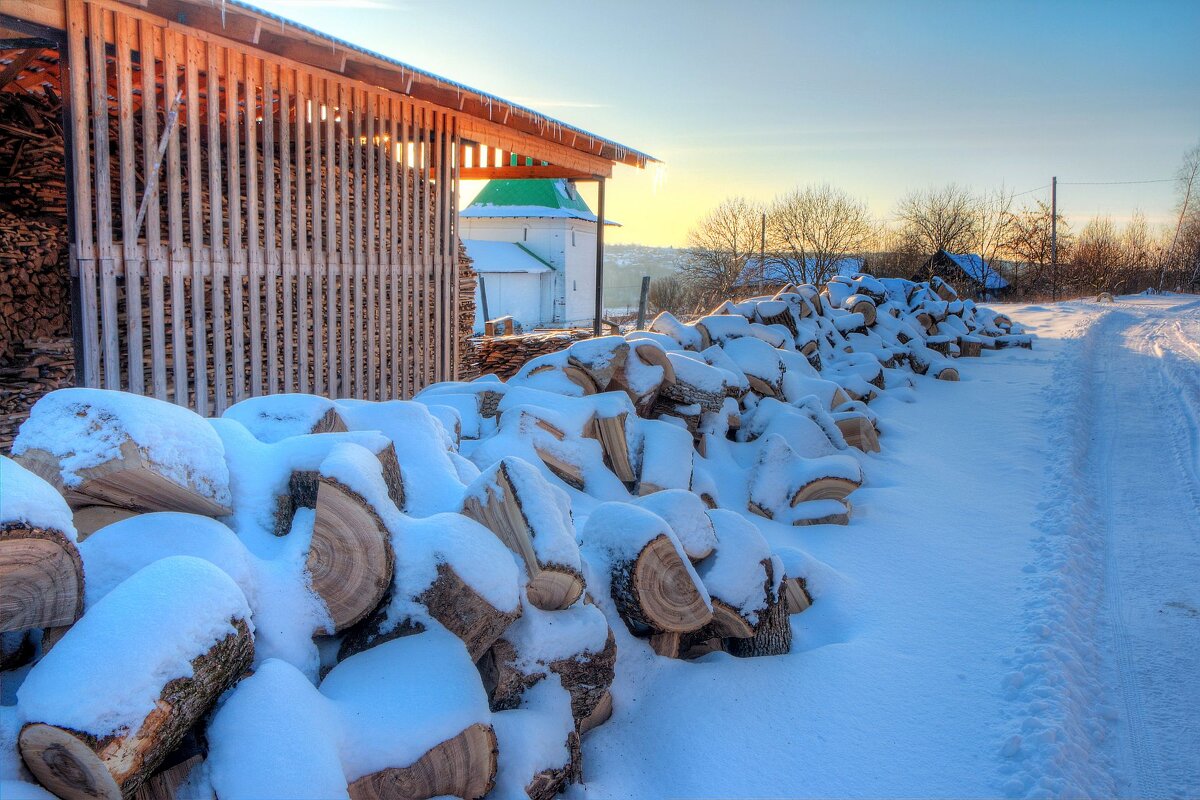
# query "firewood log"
(798, 598)
(858, 431)
(969, 347)
(643, 374)
(271, 418)
(696, 382)
(302, 484)
(417, 716)
(89, 519)
(600, 358)
(684, 511)
(455, 571)
(540, 732)
(533, 519)
(613, 440)
(350, 558)
(667, 457)
(781, 479)
(772, 632)
(177, 616)
(652, 583)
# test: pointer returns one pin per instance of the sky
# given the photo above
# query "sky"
(877, 98)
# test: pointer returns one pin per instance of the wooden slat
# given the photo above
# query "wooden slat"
(195, 183)
(177, 256)
(357, 251)
(396, 254)
(269, 233)
(336, 371)
(85, 252)
(455, 289)
(253, 229)
(302, 263)
(237, 259)
(345, 272)
(368, 386)
(133, 266)
(439, 235)
(217, 248)
(407, 252)
(150, 40)
(318, 251)
(102, 173)
(288, 270)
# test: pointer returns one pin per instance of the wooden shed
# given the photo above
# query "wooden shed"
(247, 205)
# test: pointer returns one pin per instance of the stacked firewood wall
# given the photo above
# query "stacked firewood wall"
(36, 354)
(469, 367)
(503, 356)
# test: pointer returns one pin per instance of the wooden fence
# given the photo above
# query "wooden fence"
(301, 236)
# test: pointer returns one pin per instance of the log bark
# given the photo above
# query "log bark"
(350, 559)
(549, 586)
(76, 765)
(549, 783)
(772, 634)
(41, 578)
(464, 766)
(302, 489)
(655, 591)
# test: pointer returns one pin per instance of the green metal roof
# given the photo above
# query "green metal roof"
(551, 193)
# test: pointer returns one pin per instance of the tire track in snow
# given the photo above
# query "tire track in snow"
(1055, 745)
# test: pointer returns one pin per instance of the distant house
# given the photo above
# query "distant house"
(534, 246)
(780, 271)
(969, 273)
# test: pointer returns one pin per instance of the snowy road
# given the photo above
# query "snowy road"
(1014, 609)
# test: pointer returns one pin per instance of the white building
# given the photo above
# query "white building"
(534, 246)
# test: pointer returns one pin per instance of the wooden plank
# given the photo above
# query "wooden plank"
(270, 202)
(368, 245)
(150, 37)
(439, 261)
(395, 254)
(217, 249)
(407, 252)
(84, 252)
(345, 106)
(302, 263)
(236, 261)
(253, 229)
(455, 289)
(521, 173)
(331, 241)
(195, 181)
(177, 257)
(135, 365)
(287, 252)
(318, 259)
(357, 251)
(102, 174)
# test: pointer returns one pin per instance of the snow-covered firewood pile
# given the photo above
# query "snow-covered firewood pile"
(410, 599)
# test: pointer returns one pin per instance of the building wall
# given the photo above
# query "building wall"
(515, 294)
(568, 245)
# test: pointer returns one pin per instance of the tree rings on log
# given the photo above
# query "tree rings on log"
(464, 766)
(657, 591)
(41, 579)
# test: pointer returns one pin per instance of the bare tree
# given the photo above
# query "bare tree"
(938, 219)
(1186, 259)
(811, 229)
(721, 247)
(1028, 244)
(671, 293)
(1099, 258)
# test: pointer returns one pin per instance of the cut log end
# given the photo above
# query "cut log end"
(825, 489)
(464, 766)
(947, 374)
(350, 559)
(659, 591)
(66, 766)
(552, 589)
(41, 579)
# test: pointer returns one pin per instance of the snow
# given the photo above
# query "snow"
(86, 427)
(685, 513)
(26, 499)
(403, 697)
(110, 667)
(734, 574)
(489, 257)
(276, 736)
(541, 637)
(666, 452)
(20, 790)
(117, 551)
(532, 738)
(277, 416)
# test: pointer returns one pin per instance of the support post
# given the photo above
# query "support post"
(641, 323)
(483, 299)
(1054, 232)
(599, 257)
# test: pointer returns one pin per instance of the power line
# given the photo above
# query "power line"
(1031, 191)
(1113, 183)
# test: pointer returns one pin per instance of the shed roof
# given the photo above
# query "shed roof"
(492, 257)
(978, 270)
(777, 270)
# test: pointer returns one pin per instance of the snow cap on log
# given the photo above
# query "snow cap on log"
(686, 336)
(273, 417)
(539, 747)
(667, 455)
(734, 574)
(126, 450)
(781, 479)
(276, 704)
(685, 513)
(117, 551)
(28, 500)
(403, 698)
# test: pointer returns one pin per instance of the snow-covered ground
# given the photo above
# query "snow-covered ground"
(1013, 610)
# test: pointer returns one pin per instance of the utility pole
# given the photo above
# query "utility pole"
(1054, 232)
